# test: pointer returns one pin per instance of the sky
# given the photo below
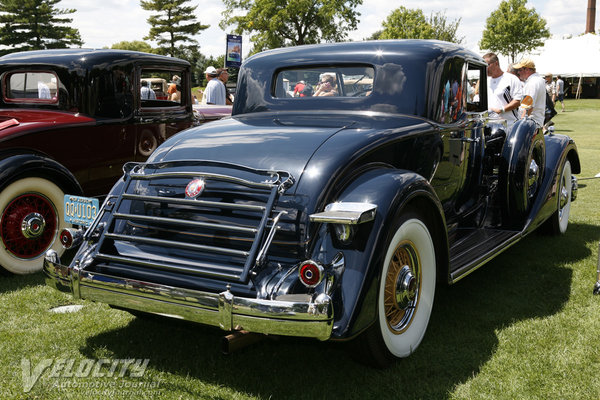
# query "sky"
(103, 23)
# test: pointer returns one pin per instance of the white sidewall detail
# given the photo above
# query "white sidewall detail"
(53, 193)
(404, 344)
(563, 220)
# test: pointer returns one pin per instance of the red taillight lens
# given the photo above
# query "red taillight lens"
(311, 274)
(66, 239)
(70, 237)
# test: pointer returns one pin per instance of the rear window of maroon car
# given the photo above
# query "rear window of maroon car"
(31, 87)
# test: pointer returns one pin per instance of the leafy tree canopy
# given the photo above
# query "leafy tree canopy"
(406, 23)
(136, 45)
(280, 23)
(173, 23)
(35, 25)
(514, 29)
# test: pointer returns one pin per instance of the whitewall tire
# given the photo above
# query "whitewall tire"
(407, 288)
(405, 293)
(559, 221)
(31, 217)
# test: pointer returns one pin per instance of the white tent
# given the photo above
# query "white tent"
(576, 57)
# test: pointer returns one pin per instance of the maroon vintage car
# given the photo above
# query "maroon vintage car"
(69, 120)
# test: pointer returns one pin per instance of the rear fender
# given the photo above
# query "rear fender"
(15, 165)
(392, 191)
(524, 143)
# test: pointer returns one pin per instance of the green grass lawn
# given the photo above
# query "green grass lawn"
(526, 326)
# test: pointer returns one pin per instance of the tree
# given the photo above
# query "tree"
(35, 25)
(406, 23)
(136, 45)
(280, 23)
(173, 23)
(514, 29)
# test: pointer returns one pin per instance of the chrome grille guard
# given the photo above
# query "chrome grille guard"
(223, 235)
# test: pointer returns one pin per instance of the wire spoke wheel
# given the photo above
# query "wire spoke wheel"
(402, 287)
(405, 295)
(31, 217)
(27, 225)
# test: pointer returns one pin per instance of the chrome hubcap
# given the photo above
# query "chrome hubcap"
(533, 177)
(402, 283)
(406, 288)
(33, 225)
(564, 197)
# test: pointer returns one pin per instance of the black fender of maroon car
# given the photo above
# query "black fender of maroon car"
(17, 163)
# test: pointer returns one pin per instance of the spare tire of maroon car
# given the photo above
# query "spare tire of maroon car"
(406, 292)
(32, 215)
(148, 143)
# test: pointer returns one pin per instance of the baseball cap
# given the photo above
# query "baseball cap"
(525, 63)
(211, 70)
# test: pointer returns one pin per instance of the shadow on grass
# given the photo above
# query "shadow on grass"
(529, 280)
(11, 282)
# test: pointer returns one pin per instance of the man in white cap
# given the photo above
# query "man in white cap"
(535, 87)
(210, 73)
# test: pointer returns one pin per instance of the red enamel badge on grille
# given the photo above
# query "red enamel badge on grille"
(194, 188)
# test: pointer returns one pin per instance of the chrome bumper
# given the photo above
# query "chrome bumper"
(311, 318)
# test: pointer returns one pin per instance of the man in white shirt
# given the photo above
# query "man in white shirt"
(535, 87)
(215, 90)
(146, 92)
(504, 91)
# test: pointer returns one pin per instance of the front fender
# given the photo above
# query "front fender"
(391, 190)
(558, 149)
(524, 144)
(16, 164)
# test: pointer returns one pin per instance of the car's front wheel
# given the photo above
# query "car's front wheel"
(406, 293)
(559, 221)
(32, 215)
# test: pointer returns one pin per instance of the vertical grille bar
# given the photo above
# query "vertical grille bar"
(258, 239)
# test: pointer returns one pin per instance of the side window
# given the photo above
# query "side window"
(162, 88)
(452, 90)
(31, 87)
(327, 81)
(477, 88)
(112, 93)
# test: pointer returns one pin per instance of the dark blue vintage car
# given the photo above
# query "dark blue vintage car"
(330, 212)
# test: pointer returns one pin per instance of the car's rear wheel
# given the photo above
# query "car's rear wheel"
(406, 293)
(559, 221)
(32, 215)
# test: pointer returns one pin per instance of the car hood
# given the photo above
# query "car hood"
(301, 144)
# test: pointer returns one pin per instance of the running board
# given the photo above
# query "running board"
(475, 247)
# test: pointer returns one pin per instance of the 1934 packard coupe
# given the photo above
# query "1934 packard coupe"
(331, 217)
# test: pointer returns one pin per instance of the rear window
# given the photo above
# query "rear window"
(326, 81)
(162, 88)
(31, 87)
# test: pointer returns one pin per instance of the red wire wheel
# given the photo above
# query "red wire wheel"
(28, 225)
